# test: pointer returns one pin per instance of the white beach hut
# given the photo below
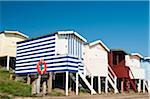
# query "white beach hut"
(96, 63)
(134, 62)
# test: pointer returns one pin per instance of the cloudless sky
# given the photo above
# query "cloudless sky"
(118, 24)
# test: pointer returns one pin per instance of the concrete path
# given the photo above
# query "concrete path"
(118, 96)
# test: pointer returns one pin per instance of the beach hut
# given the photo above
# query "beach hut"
(145, 64)
(96, 63)
(133, 60)
(8, 41)
(118, 65)
(61, 51)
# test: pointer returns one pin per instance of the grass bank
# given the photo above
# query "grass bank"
(10, 87)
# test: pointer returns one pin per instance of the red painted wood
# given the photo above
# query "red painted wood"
(116, 60)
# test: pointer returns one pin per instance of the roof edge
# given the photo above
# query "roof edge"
(16, 32)
(72, 32)
(99, 41)
(137, 54)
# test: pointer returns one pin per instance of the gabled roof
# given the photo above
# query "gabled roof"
(72, 32)
(99, 42)
(15, 32)
(137, 54)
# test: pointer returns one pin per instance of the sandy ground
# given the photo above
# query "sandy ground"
(105, 96)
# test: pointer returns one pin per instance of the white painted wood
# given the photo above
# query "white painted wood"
(44, 88)
(77, 83)
(143, 86)
(139, 86)
(28, 79)
(33, 87)
(92, 83)
(8, 60)
(114, 85)
(96, 59)
(50, 82)
(99, 84)
(87, 83)
(134, 63)
(38, 82)
(106, 85)
(67, 80)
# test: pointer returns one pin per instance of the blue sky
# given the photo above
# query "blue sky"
(122, 25)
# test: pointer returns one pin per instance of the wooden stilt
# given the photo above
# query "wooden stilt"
(28, 79)
(143, 86)
(38, 84)
(34, 87)
(139, 86)
(50, 82)
(66, 87)
(115, 82)
(8, 60)
(122, 86)
(106, 85)
(99, 84)
(91, 83)
(77, 83)
(44, 88)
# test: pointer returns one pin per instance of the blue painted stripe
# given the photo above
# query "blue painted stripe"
(36, 57)
(63, 62)
(46, 63)
(36, 53)
(44, 59)
(63, 70)
(36, 42)
(81, 69)
(27, 73)
(49, 35)
(36, 46)
(80, 65)
(47, 67)
(36, 49)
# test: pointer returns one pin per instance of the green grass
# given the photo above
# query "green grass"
(12, 87)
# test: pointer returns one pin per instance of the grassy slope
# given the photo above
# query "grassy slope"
(12, 87)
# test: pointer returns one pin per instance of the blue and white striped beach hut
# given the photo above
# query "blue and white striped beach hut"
(62, 51)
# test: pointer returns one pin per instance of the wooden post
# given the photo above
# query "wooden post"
(122, 86)
(50, 82)
(66, 87)
(38, 84)
(8, 59)
(44, 88)
(143, 86)
(99, 84)
(34, 87)
(106, 85)
(115, 82)
(91, 83)
(139, 86)
(11, 75)
(28, 79)
(77, 83)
